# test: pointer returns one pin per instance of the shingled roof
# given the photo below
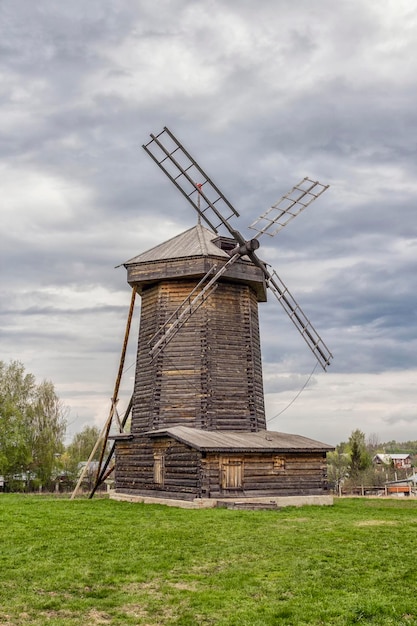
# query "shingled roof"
(228, 441)
(196, 241)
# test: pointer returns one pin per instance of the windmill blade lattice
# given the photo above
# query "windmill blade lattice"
(191, 180)
(289, 206)
(300, 320)
(216, 210)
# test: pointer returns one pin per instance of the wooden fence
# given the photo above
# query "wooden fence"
(386, 490)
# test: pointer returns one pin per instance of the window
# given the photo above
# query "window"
(279, 464)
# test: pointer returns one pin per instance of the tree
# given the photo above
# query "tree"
(337, 467)
(360, 459)
(46, 430)
(83, 443)
(16, 391)
(373, 444)
(79, 450)
(32, 424)
(14, 448)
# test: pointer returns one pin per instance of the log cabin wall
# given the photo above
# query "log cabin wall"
(210, 375)
(263, 475)
(134, 465)
(165, 469)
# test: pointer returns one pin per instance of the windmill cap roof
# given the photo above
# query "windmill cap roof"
(196, 241)
(190, 255)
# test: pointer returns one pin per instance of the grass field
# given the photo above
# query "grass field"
(83, 562)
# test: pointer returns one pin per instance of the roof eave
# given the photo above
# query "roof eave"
(237, 448)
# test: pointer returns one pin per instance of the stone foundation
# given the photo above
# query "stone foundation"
(231, 503)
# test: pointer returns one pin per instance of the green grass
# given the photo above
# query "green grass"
(83, 562)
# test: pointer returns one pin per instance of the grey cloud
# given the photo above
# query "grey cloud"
(402, 418)
(330, 97)
(51, 310)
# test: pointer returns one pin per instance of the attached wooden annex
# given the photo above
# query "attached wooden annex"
(188, 464)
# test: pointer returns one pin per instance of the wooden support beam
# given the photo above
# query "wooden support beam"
(106, 429)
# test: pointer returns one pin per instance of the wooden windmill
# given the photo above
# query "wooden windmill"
(198, 429)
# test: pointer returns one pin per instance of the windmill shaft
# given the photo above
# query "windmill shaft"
(104, 474)
(114, 399)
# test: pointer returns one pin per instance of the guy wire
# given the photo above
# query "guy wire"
(295, 397)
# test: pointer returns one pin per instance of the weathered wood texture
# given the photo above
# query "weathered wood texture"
(301, 474)
(188, 473)
(142, 275)
(135, 468)
(210, 375)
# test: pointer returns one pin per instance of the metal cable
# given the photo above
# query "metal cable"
(295, 397)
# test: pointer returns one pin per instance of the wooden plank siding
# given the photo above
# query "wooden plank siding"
(210, 375)
(144, 274)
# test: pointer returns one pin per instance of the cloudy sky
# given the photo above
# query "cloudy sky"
(262, 94)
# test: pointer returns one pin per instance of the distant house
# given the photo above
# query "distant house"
(399, 461)
(22, 480)
(405, 486)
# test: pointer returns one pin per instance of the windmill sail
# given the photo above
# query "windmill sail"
(212, 206)
(289, 206)
(300, 320)
(180, 167)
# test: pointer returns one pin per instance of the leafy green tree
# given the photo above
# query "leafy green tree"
(14, 448)
(83, 443)
(16, 392)
(79, 450)
(360, 458)
(337, 467)
(47, 430)
(32, 424)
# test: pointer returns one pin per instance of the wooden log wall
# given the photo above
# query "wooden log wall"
(134, 465)
(302, 474)
(189, 474)
(210, 375)
(181, 469)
